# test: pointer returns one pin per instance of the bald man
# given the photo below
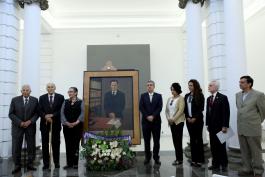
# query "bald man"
(23, 113)
(50, 108)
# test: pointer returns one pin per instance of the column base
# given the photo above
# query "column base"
(207, 152)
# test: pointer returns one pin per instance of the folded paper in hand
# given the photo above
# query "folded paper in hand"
(223, 137)
(116, 122)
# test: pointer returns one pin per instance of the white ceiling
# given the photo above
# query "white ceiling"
(123, 13)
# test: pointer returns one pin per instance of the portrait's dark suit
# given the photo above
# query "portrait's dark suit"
(55, 109)
(114, 103)
(154, 108)
(195, 129)
(18, 113)
(217, 117)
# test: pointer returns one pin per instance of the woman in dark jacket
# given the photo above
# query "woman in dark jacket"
(72, 118)
(194, 106)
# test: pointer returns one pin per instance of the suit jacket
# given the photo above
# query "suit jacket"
(114, 103)
(179, 115)
(45, 108)
(250, 113)
(217, 115)
(19, 113)
(197, 107)
(148, 108)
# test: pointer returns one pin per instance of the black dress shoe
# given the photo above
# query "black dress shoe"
(45, 167)
(176, 162)
(56, 165)
(16, 169)
(224, 168)
(31, 168)
(213, 168)
(157, 162)
(146, 161)
(66, 167)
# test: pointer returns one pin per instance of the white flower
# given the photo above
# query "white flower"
(95, 158)
(104, 142)
(123, 153)
(99, 161)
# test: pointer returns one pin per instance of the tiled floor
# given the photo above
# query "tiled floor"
(165, 170)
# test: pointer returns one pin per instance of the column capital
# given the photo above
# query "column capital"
(183, 3)
(43, 3)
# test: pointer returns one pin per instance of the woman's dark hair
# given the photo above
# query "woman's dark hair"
(176, 87)
(74, 88)
(197, 92)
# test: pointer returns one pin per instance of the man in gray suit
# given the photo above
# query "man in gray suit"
(23, 113)
(250, 114)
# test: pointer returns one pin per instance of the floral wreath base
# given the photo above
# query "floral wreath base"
(43, 3)
(107, 152)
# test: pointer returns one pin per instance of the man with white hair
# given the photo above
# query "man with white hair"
(23, 113)
(50, 113)
(217, 119)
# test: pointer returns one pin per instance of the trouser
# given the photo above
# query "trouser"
(154, 130)
(72, 138)
(219, 155)
(177, 135)
(251, 153)
(55, 142)
(196, 142)
(17, 141)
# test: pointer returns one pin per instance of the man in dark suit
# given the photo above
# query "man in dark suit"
(114, 101)
(50, 109)
(23, 113)
(217, 119)
(150, 106)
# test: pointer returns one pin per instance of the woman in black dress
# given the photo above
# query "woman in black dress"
(194, 106)
(72, 118)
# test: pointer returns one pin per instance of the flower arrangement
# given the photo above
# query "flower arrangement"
(108, 151)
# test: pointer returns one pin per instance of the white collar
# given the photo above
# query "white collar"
(24, 98)
(214, 95)
(151, 94)
(51, 95)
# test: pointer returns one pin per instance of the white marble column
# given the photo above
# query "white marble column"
(216, 43)
(194, 42)
(235, 53)
(194, 46)
(9, 30)
(30, 70)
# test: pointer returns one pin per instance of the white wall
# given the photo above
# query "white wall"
(166, 51)
(255, 45)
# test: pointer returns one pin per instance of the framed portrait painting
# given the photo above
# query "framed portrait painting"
(111, 100)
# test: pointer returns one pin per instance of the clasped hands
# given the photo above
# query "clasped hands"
(72, 125)
(25, 124)
(191, 120)
(150, 118)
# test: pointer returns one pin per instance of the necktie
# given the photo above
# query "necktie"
(26, 101)
(211, 100)
(50, 101)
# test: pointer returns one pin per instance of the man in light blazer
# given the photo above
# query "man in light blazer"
(150, 106)
(217, 119)
(23, 113)
(250, 114)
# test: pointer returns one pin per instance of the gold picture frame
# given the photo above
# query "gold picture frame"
(97, 87)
